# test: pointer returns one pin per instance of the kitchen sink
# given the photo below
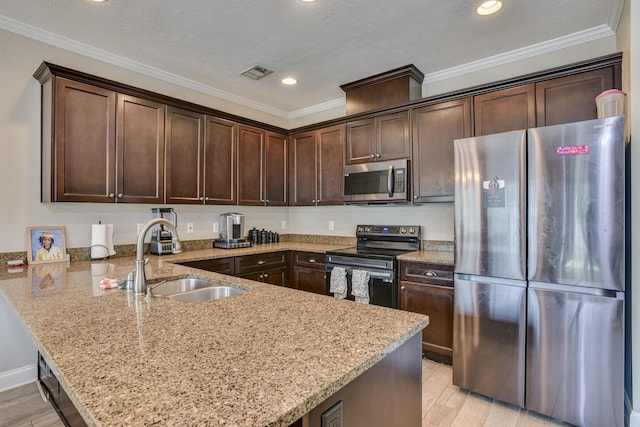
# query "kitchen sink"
(207, 294)
(178, 286)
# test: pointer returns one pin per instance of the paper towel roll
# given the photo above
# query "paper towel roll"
(101, 241)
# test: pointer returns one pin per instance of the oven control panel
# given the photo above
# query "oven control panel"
(388, 230)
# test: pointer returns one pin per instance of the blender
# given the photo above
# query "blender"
(161, 236)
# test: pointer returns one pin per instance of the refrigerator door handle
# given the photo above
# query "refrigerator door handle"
(608, 293)
(494, 280)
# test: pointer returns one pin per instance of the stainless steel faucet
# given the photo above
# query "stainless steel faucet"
(140, 280)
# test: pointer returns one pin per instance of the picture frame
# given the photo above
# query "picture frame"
(46, 244)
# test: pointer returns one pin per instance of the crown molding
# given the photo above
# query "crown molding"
(110, 58)
(523, 53)
(335, 103)
(471, 67)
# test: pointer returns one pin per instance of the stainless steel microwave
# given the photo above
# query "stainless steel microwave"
(377, 182)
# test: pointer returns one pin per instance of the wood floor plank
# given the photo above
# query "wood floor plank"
(474, 411)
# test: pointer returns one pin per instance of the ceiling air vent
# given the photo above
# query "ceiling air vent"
(256, 72)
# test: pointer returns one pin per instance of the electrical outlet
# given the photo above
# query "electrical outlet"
(332, 225)
(284, 225)
(216, 227)
(189, 227)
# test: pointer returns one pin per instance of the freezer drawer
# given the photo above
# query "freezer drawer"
(489, 337)
(575, 356)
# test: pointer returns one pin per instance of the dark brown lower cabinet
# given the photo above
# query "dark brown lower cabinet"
(307, 273)
(430, 291)
(274, 276)
(270, 267)
(217, 265)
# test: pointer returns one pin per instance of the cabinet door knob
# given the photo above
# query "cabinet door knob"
(265, 275)
(206, 198)
(261, 262)
(312, 260)
(111, 195)
(202, 199)
(261, 277)
(430, 273)
(378, 155)
(120, 195)
(402, 288)
(372, 155)
(415, 197)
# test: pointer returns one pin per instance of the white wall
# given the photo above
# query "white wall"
(18, 365)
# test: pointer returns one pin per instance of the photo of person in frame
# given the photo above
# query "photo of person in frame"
(45, 249)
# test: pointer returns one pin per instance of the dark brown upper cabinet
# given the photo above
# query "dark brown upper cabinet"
(505, 110)
(220, 161)
(78, 142)
(316, 168)
(383, 137)
(201, 158)
(184, 154)
(571, 98)
(100, 145)
(139, 150)
(434, 128)
(262, 167)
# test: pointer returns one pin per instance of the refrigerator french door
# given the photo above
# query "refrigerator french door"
(490, 265)
(576, 272)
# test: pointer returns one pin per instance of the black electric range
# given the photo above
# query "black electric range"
(376, 250)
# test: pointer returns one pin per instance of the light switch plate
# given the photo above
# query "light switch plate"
(332, 225)
(284, 224)
(216, 227)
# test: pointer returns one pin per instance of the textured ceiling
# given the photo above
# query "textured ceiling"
(322, 44)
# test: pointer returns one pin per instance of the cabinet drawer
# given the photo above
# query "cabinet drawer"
(309, 260)
(274, 276)
(260, 262)
(421, 272)
(217, 265)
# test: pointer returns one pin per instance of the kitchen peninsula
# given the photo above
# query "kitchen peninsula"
(272, 356)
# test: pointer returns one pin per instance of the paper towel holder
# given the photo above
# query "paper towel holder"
(101, 241)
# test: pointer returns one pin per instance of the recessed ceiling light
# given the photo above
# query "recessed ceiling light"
(489, 7)
(308, 1)
(290, 80)
(100, 1)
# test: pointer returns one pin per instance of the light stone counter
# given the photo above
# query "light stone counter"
(266, 357)
(435, 257)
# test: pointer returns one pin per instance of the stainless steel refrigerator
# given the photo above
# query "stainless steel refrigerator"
(539, 284)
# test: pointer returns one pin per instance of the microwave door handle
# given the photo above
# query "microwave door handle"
(390, 181)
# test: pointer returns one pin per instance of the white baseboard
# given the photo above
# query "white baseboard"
(18, 377)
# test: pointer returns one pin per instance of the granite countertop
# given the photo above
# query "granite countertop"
(265, 357)
(435, 257)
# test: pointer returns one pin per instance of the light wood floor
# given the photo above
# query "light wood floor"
(443, 405)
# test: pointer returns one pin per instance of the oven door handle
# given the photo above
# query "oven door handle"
(386, 276)
(390, 182)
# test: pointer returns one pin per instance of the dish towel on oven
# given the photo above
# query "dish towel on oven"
(360, 286)
(338, 284)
